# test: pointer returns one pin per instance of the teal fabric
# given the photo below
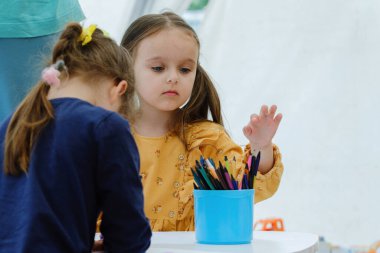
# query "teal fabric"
(32, 18)
(28, 29)
(21, 63)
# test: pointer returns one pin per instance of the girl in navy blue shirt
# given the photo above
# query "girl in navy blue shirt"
(66, 155)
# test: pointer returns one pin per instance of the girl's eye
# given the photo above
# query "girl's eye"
(157, 69)
(185, 70)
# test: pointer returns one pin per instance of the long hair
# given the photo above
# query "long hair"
(100, 58)
(204, 99)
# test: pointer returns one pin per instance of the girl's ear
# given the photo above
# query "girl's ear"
(121, 87)
(117, 91)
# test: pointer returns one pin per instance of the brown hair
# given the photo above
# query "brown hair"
(100, 58)
(204, 97)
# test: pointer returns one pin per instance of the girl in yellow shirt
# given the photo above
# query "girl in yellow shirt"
(172, 128)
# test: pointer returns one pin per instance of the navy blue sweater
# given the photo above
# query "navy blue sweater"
(84, 161)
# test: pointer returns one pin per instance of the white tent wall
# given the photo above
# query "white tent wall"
(319, 61)
(114, 16)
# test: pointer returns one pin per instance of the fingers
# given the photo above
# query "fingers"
(264, 111)
(254, 117)
(263, 126)
(247, 131)
(272, 111)
(265, 115)
(277, 119)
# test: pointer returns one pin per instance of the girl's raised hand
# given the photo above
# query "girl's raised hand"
(261, 128)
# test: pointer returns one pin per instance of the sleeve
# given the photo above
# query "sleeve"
(267, 184)
(124, 225)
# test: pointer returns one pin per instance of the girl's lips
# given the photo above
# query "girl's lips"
(171, 93)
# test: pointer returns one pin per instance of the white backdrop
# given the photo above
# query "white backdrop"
(114, 16)
(319, 61)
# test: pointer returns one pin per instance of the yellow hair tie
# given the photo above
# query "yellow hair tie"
(86, 35)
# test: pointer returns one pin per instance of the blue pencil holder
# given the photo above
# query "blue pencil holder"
(223, 216)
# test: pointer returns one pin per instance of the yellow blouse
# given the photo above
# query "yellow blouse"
(167, 179)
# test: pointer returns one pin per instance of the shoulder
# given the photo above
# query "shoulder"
(204, 125)
(202, 133)
(113, 123)
(75, 113)
(112, 133)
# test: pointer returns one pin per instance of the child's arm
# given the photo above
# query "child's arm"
(124, 225)
(260, 131)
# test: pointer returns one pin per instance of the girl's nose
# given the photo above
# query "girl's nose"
(172, 81)
(172, 78)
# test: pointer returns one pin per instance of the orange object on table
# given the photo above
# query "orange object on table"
(271, 224)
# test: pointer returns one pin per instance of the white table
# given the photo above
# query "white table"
(263, 242)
